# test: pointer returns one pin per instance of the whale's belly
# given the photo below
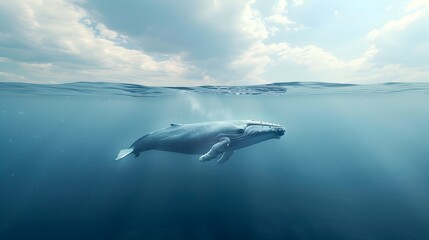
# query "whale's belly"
(185, 147)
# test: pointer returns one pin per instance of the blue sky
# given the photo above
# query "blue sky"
(214, 42)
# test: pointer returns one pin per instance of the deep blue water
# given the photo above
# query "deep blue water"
(353, 164)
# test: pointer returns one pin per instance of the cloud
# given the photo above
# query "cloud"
(297, 2)
(403, 45)
(202, 29)
(251, 23)
(418, 9)
(261, 56)
(391, 73)
(206, 34)
(417, 4)
(279, 14)
(395, 25)
(10, 77)
(385, 57)
(56, 38)
(203, 42)
(279, 19)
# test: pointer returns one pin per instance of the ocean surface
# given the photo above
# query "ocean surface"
(353, 163)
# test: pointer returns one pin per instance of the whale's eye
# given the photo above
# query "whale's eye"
(240, 131)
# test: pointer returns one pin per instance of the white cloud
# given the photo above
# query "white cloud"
(10, 77)
(401, 47)
(394, 25)
(279, 14)
(106, 33)
(279, 19)
(321, 65)
(280, 7)
(391, 73)
(417, 4)
(254, 61)
(315, 58)
(260, 56)
(40, 66)
(363, 62)
(297, 2)
(251, 22)
(59, 41)
(417, 9)
(61, 30)
(274, 30)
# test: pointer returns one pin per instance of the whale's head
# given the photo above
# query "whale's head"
(263, 129)
(251, 132)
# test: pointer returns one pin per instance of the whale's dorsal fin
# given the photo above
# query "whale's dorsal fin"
(175, 124)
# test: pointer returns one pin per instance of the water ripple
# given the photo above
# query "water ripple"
(135, 90)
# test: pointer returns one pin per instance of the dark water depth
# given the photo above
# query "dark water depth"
(353, 164)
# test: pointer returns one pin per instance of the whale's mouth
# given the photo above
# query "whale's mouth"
(259, 123)
(280, 131)
(257, 128)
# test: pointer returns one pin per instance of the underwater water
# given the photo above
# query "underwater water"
(353, 163)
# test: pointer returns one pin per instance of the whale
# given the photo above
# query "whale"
(211, 140)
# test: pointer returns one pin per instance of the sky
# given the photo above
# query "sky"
(214, 42)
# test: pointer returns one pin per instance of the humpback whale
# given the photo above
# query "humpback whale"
(209, 139)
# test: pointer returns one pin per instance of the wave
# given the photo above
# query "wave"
(135, 90)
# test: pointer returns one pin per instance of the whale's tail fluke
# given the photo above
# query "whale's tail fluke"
(123, 153)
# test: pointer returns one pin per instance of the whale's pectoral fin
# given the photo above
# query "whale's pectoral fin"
(225, 157)
(123, 153)
(216, 149)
